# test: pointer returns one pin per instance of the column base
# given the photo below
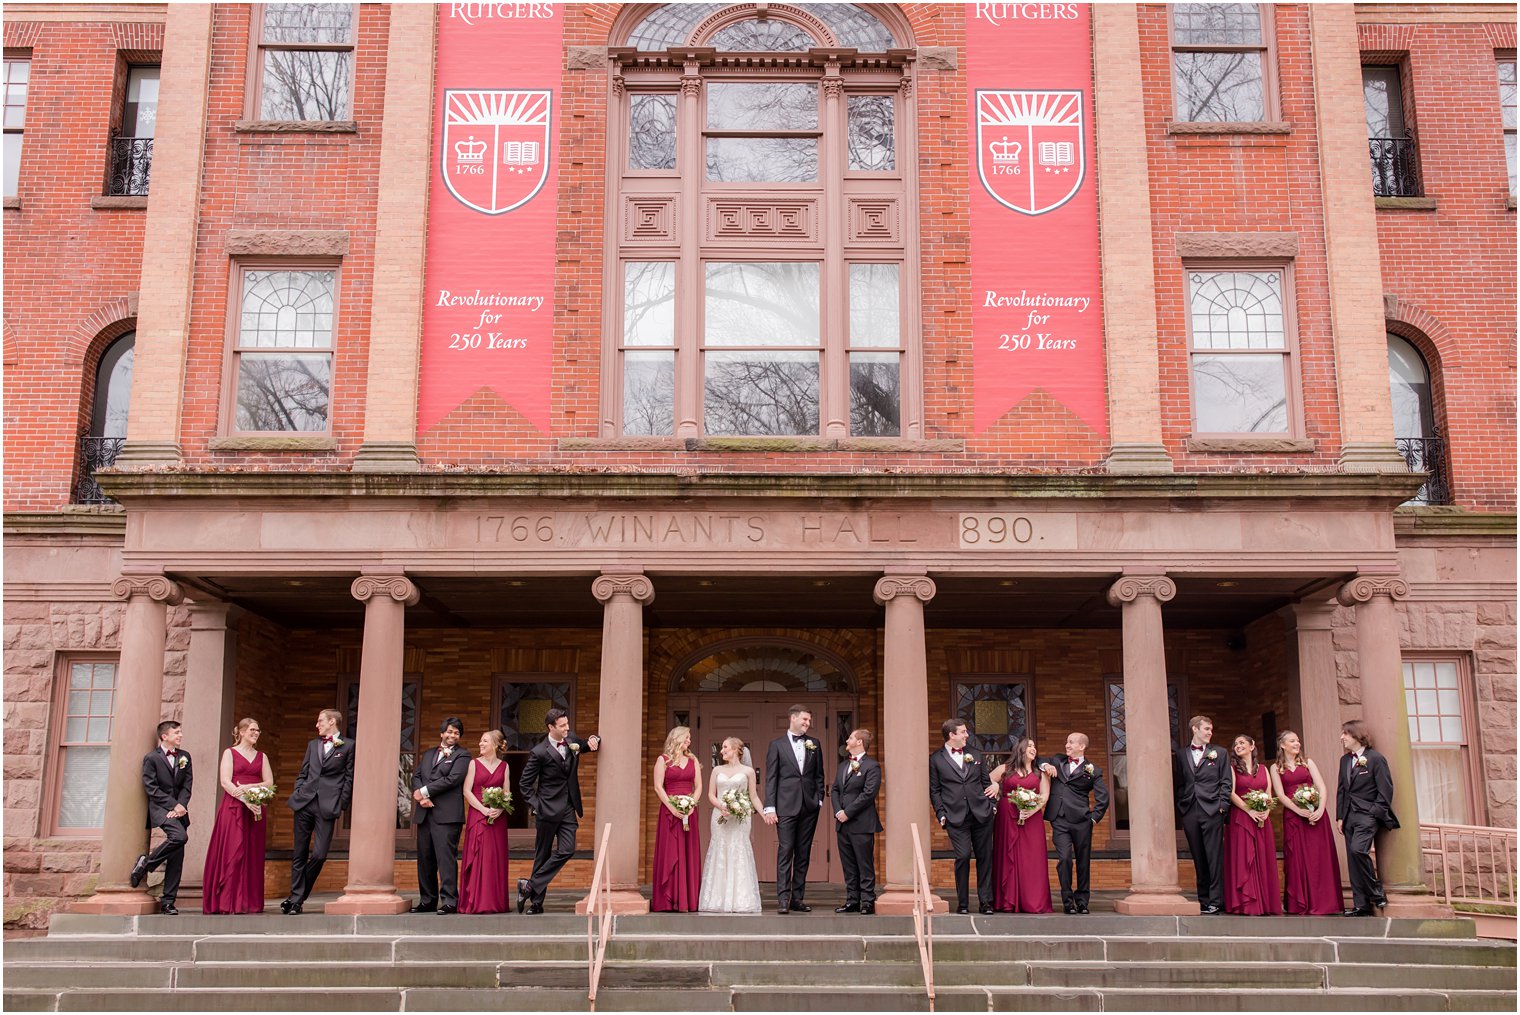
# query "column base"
(1138, 460)
(379, 902)
(147, 453)
(1372, 457)
(625, 902)
(1163, 902)
(1416, 906)
(898, 900)
(387, 456)
(117, 902)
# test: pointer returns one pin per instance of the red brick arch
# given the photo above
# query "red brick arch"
(89, 340)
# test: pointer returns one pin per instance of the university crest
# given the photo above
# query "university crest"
(1030, 147)
(495, 147)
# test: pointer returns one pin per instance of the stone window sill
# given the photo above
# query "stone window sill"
(101, 203)
(1509, 202)
(1250, 445)
(1255, 127)
(1406, 203)
(296, 127)
(15, 202)
(271, 443)
(788, 445)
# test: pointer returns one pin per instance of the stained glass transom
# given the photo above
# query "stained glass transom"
(287, 309)
(996, 713)
(523, 708)
(764, 668)
(852, 26)
(1238, 310)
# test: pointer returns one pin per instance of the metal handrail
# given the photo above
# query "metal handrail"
(598, 917)
(1476, 863)
(923, 911)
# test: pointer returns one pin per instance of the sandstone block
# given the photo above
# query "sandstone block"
(1496, 613)
(21, 861)
(67, 863)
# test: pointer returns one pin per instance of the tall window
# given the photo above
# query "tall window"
(1388, 141)
(411, 738)
(762, 257)
(88, 703)
(1238, 331)
(1415, 430)
(108, 418)
(996, 710)
(1118, 746)
(17, 74)
(1506, 106)
(1220, 62)
(1444, 772)
(132, 148)
(305, 61)
(282, 351)
(522, 702)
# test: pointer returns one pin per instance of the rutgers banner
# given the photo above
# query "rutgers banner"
(1036, 322)
(489, 302)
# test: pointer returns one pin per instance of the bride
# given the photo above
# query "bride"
(729, 882)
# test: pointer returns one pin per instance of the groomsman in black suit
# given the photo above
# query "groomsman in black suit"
(856, 784)
(1363, 804)
(438, 793)
(550, 782)
(1072, 779)
(958, 790)
(322, 792)
(1202, 781)
(794, 793)
(166, 776)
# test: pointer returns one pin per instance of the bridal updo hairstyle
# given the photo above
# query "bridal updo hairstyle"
(738, 748)
(498, 741)
(243, 724)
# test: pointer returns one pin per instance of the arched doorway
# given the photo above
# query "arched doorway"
(745, 687)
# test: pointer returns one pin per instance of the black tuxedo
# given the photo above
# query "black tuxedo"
(1071, 824)
(551, 786)
(1363, 804)
(168, 785)
(958, 795)
(795, 794)
(438, 826)
(1202, 794)
(855, 793)
(322, 792)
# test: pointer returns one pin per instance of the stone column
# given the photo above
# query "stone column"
(139, 705)
(1314, 705)
(1384, 710)
(1154, 889)
(905, 704)
(620, 756)
(371, 884)
(209, 684)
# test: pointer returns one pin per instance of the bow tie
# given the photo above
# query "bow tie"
(798, 740)
(169, 755)
(1072, 760)
(327, 740)
(1200, 750)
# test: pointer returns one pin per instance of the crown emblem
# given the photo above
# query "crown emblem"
(471, 150)
(1005, 150)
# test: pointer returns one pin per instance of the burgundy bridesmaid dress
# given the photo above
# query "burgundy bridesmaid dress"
(1311, 866)
(234, 874)
(1250, 856)
(677, 868)
(483, 851)
(1021, 877)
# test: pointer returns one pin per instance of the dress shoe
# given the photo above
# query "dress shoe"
(522, 894)
(420, 908)
(1358, 911)
(139, 870)
(986, 910)
(168, 909)
(801, 907)
(285, 906)
(1380, 904)
(446, 910)
(294, 910)
(867, 909)
(536, 909)
(962, 909)
(1211, 911)
(1071, 908)
(848, 907)
(782, 909)
(1082, 909)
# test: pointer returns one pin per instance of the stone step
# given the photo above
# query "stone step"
(826, 998)
(1421, 977)
(450, 949)
(59, 976)
(1219, 950)
(238, 999)
(1481, 1000)
(988, 949)
(274, 948)
(1177, 975)
(1282, 1000)
(113, 949)
(630, 948)
(643, 975)
(1446, 953)
(564, 999)
(325, 976)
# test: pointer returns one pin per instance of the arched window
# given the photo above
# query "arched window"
(765, 222)
(99, 447)
(1415, 428)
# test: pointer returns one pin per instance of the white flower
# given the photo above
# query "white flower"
(183, 761)
(854, 765)
(337, 741)
(810, 745)
(575, 748)
(969, 758)
(1088, 768)
(1361, 761)
(1213, 755)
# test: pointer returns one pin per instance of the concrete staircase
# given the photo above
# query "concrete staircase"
(817, 962)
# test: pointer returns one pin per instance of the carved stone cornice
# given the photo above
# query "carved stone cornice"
(891, 586)
(636, 585)
(398, 587)
(1132, 587)
(155, 586)
(1366, 587)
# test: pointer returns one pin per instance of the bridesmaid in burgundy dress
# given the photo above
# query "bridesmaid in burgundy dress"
(677, 868)
(1250, 852)
(234, 873)
(483, 881)
(1311, 865)
(1021, 876)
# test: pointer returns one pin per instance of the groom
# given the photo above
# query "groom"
(550, 782)
(794, 793)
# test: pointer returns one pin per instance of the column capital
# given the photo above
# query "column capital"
(1366, 587)
(889, 587)
(155, 586)
(1308, 615)
(1132, 587)
(636, 585)
(399, 587)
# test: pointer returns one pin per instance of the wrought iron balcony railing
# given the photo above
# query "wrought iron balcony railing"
(1428, 454)
(95, 453)
(1394, 173)
(131, 164)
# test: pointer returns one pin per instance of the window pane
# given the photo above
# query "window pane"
(305, 84)
(1220, 87)
(12, 164)
(1507, 92)
(874, 308)
(1409, 386)
(82, 793)
(319, 23)
(287, 309)
(1237, 310)
(98, 731)
(1382, 102)
(875, 394)
(1451, 729)
(1430, 730)
(762, 159)
(140, 115)
(17, 72)
(762, 303)
(1240, 394)
(78, 703)
(1446, 674)
(649, 303)
(1440, 782)
(652, 132)
(75, 730)
(283, 392)
(1509, 158)
(761, 107)
(1425, 703)
(870, 139)
(761, 393)
(649, 393)
(100, 702)
(756, 36)
(1216, 24)
(79, 675)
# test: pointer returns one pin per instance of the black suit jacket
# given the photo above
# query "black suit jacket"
(957, 794)
(328, 780)
(855, 794)
(1068, 794)
(551, 786)
(1207, 786)
(1366, 789)
(166, 785)
(444, 779)
(787, 789)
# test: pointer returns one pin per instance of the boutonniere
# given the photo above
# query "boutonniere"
(337, 741)
(183, 761)
(444, 752)
(854, 765)
(1361, 761)
(1213, 754)
(969, 758)
(1088, 768)
(809, 745)
(575, 748)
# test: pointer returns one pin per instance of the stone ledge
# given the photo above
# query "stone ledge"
(75, 520)
(1237, 244)
(287, 242)
(295, 126)
(15, 202)
(1406, 203)
(1446, 520)
(787, 445)
(272, 444)
(105, 202)
(1254, 127)
(1250, 445)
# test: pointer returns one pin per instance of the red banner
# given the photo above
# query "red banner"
(1036, 321)
(489, 312)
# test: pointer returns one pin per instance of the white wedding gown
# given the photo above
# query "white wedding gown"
(729, 882)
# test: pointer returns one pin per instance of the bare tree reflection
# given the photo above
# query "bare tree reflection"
(652, 132)
(870, 133)
(1240, 394)
(649, 386)
(307, 84)
(283, 392)
(761, 394)
(875, 396)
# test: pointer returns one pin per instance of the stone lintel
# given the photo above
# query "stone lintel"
(1251, 445)
(1245, 127)
(290, 443)
(287, 242)
(296, 126)
(1217, 244)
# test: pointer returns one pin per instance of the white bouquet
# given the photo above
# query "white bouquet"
(1306, 796)
(1258, 800)
(498, 798)
(737, 803)
(1026, 800)
(684, 805)
(258, 796)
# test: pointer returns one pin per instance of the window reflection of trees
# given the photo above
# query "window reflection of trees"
(649, 387)
(756, 36)
(759, 108)
(761, 394)
(870, 133)
(875, 395)
(283, 392)
(1223, 87)
(652, 132)
(851, 25)
(307, 84)
(1235, 311)
(1240, 394)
